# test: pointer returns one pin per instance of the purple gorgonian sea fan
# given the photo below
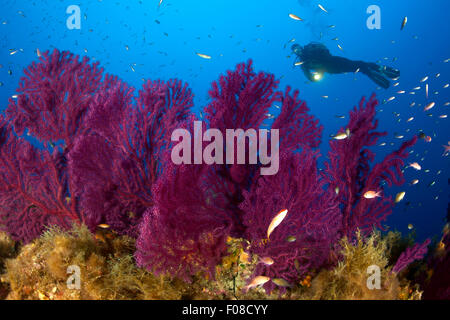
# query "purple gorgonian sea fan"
(54, 96)
(298, 129)
(350, 174)
(118, 159)
(184, 234)
(52, 100)
(322, 208)
(195, 203)
(411, 254)
(240, 100)
(196, 206)
(33, 188)
(303, 240)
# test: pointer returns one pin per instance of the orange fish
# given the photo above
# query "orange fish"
(100, 237)
(405, 19)
(415, 165)
(267, 260)
(429, 106)
(446, 149)
(257, 281)
(322, 8)
(372, 194)
(293, 16)
(204, 56)
(276, 221)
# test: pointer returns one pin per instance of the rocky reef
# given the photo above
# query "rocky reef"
(100, 195)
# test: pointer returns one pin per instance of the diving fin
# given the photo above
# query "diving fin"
(378, 79)
(390, 72)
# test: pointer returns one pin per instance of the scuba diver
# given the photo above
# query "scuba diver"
(316, 59)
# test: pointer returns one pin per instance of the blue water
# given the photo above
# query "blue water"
(233, 31)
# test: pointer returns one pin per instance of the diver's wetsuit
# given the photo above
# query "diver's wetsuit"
(315, 56)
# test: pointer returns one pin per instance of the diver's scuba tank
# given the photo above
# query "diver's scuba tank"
(315, 49)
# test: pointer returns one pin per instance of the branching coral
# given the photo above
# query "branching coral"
(349, 171)
(33, 187)
(348, 174)
(53, 98)
(297, 128)
(241, 99)
(302, 242)
(54, 95)
(196, 207)
(415, 252)
(117, 162)
(185, 232)
(105, 154)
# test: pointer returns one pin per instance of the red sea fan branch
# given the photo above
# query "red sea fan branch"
(33, 188)
(117, 162)
(161, 108)
(186, 231)
(297, 127)
(304, 238)
(53, 97)
(368, 214)
(348, 171)
(241, 99)
(415, 252)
